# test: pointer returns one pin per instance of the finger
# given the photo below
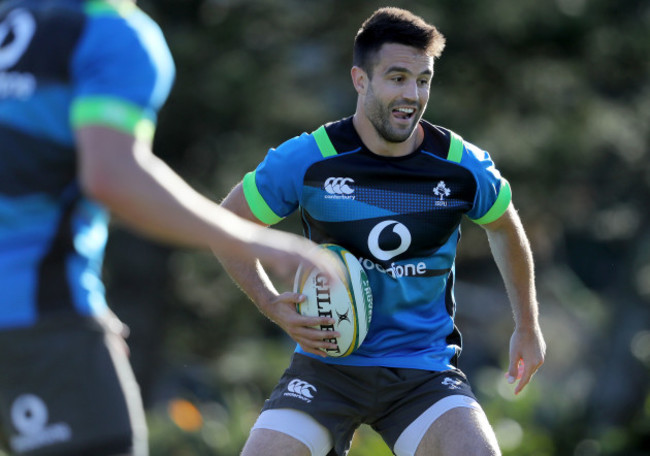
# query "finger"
(313, 351)
(318, 347)
(322, 323)
(527, 374)
(325, 262)
(290, 297)
(315, 335)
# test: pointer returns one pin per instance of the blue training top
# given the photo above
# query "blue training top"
(65, 64)
(401, 218)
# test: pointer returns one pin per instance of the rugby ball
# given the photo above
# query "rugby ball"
(347, 298)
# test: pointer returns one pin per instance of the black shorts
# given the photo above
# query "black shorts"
(341, 398)
(66, 388)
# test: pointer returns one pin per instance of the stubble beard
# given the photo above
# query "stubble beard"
(379, 116)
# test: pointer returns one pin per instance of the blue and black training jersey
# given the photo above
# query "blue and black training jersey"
(400, 216)
(65, 64)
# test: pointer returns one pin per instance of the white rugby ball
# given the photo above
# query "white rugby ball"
(347, 299)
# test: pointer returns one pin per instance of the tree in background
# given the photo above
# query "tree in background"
(559, 93)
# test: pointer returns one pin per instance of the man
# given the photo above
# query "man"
(407, 184)
(80, 85)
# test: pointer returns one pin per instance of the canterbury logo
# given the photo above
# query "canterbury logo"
(451, 383)
(399, 229)
(301, 390)
(339, 186)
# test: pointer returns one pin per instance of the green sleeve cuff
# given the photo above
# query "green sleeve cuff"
(112, 112)
(456, 147)
(500, 205)
(256, 202)
(324, 143)
(104, 8)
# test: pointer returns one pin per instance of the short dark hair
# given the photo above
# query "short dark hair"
(394, 25)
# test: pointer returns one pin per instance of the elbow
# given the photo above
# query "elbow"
(100, 188)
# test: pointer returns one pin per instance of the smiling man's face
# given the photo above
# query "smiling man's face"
(399, 91)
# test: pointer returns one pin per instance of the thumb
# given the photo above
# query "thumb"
(515, 370)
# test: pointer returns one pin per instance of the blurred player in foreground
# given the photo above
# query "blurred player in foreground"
(391, 188)
(80, 85)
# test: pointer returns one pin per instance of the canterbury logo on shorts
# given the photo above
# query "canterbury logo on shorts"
(452, 383)
(300, 390)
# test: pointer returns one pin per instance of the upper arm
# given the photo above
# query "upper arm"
(236, 202)
(507, 230)
(273, 190)
(507, 220)
(122, 73)
(102, 155)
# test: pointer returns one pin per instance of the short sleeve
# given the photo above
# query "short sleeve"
(274, 189)
(122, 70)
(493, 194)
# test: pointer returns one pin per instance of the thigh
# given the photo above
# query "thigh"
(70, 390)
(461, 430)
(336, 397)
(288, 432)
(266, 442)
(413, 399)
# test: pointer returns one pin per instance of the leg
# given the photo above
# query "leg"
(460, 431)
(452, 426)
(287, 432)
(265, 442)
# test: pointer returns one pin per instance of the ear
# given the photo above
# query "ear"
(360, 80)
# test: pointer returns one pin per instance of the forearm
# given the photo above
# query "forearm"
(252, 279)
(514, 259)
(154, 200)
(513, 256)
(248, 273)
(141, 190)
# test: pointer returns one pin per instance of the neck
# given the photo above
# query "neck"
(378, 145)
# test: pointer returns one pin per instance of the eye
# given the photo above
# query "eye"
(424, 82)
(397, 78)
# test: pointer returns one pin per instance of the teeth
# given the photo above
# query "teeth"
(406, 110)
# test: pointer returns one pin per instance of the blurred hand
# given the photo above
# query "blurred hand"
(282, 311)
(527, 352)
(283, 252)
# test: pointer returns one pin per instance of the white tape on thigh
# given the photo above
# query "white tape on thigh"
(410, 438)
(298, 425)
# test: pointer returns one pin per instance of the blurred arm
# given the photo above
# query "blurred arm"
(513, 256)
(122, 173)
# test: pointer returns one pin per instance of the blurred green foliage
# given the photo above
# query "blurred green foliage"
(558, 92)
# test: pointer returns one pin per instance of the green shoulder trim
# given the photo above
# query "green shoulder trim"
(256, 202)
(455, 148)
(105, 8)
(324, 143)
(500, 205)
(112, 112)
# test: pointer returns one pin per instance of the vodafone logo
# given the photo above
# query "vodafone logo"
(399, 229)
(21, 24)
(300, 389)
(29, 414)
(30, 418)
(16, 32)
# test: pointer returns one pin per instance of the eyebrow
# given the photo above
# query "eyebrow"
(399, 69)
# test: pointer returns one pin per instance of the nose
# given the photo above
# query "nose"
(411, 92)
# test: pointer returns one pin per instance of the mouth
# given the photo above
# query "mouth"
(404, 112)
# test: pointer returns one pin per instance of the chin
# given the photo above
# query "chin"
(399, 135)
